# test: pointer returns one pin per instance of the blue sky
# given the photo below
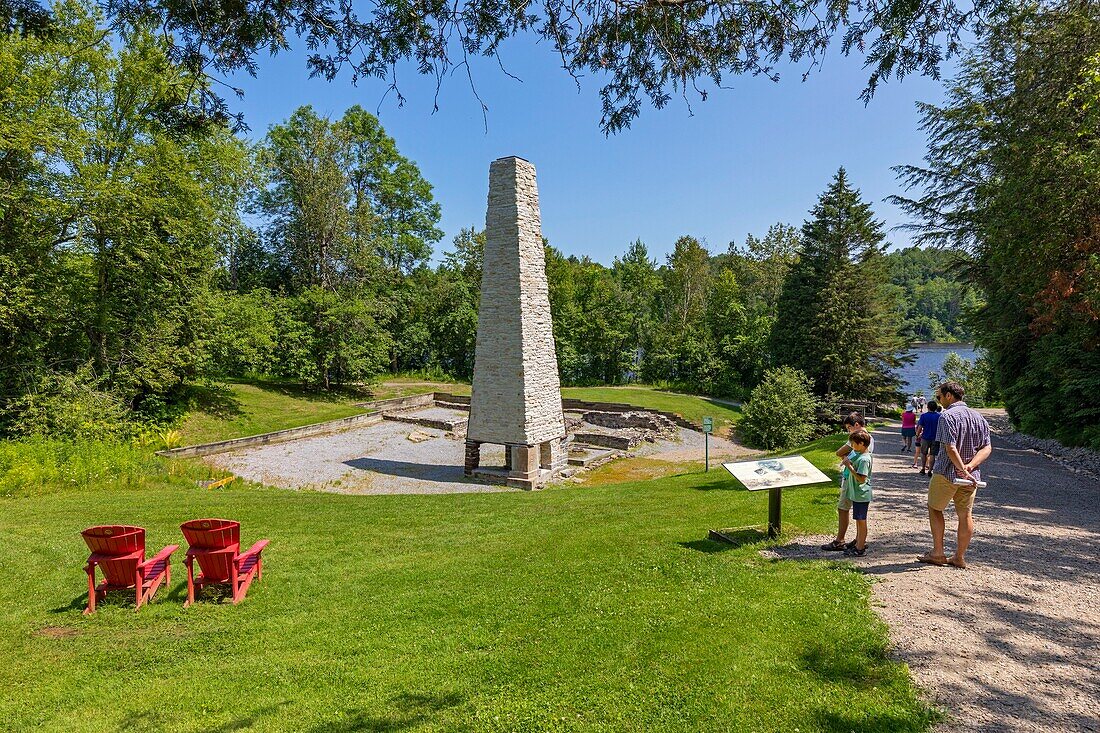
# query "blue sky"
(748, 157)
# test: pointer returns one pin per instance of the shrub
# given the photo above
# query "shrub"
(68, 406)
(974, 376)
(780, 412)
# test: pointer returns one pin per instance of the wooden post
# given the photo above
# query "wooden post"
(775, 511)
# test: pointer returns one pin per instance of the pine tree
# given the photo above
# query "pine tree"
(836, 320)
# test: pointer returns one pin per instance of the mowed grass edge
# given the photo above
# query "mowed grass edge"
(568, 609)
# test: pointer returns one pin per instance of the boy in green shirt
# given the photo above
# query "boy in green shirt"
(856, 481)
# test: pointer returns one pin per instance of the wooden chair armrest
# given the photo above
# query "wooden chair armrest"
(256, 549)
(96, 558)
(196, 551)
(162, 555)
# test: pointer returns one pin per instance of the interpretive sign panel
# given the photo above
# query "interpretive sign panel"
(776, 473)
(708, 424)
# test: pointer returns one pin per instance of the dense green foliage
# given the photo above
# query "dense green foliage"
(112, 200)
(781, 412)
(605, 607)
(1013, 176)
(646, 49)
(974, 376)
(934, 296)
(836, 320)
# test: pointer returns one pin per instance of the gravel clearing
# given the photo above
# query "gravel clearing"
(1013, 642)
(399, 458)
(377, 459)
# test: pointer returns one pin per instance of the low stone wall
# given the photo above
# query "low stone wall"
(638, 419)
(586, 406)
(618, 442)
(279, 436)
(426, 422)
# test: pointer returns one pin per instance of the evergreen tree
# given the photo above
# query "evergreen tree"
(640, 285)
(1012, 176)
(835, 318)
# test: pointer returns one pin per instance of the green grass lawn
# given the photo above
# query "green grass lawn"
(587, 609)
(241, 409)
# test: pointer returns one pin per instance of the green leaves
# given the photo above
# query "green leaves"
(1012, 175)
(780, 413)
(111, 197)
(836, 319)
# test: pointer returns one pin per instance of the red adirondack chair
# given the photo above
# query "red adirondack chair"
(119, 552)
(216, 544)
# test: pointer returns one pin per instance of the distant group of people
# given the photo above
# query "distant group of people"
(919, 422)
(949, 442)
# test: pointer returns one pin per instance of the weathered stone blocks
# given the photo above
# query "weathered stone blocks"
(516, 398)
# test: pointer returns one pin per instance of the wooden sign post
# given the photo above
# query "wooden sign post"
(708, 428)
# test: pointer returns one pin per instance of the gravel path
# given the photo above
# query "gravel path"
(1013, 642)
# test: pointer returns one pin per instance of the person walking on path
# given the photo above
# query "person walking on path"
(926, 438)
(963, 435)
(908, 428)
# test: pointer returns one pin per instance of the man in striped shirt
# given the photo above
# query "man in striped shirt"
(963, 435)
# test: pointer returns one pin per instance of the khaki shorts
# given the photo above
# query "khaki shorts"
(843, 503)
(941, 491)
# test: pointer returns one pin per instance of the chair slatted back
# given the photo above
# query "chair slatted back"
(120, 548)
(221, 541)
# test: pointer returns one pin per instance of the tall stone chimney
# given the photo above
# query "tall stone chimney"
(516, 398)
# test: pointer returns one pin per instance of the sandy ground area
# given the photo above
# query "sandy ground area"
(381, 458)
(1013, 642)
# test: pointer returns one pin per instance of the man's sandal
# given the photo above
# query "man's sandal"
(833, 546)
(930, 559)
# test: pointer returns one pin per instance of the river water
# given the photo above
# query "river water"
(914, 376)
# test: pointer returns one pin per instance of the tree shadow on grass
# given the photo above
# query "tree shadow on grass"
(857, 670)
(878, 722)
(216, 400)
(300, 391)
(844, 667)
(412, 709)
(156, 720)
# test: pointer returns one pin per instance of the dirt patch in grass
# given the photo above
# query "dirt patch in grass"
(633, 469)
(57, 632)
